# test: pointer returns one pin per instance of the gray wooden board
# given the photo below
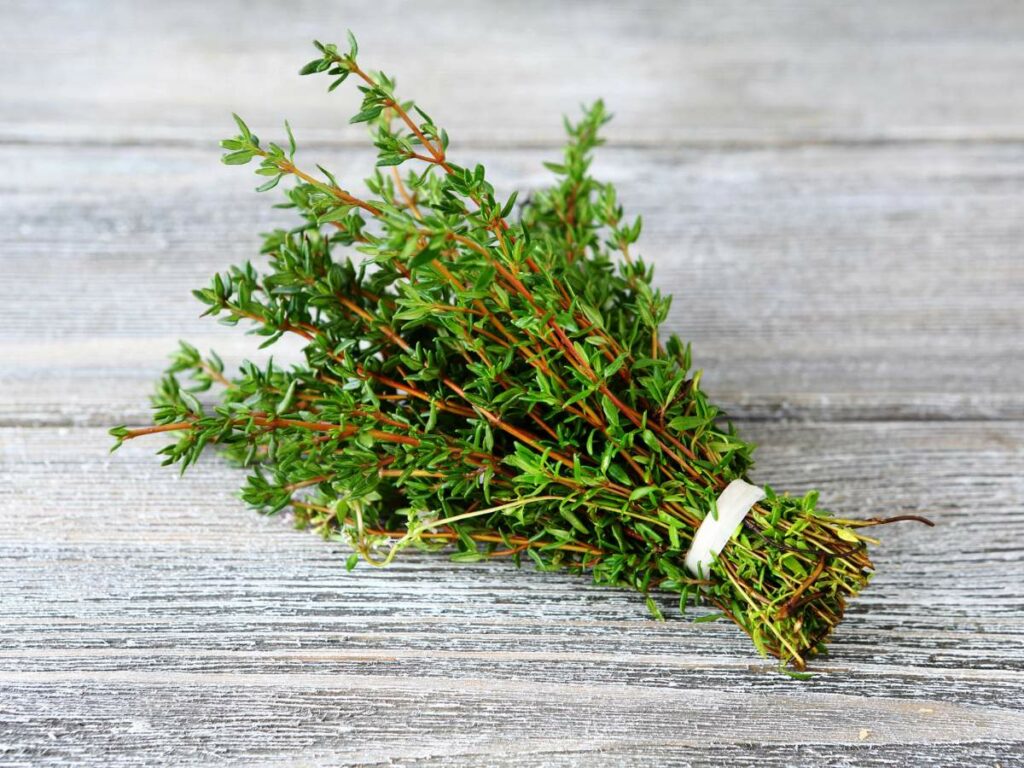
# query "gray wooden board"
(833, 193)
(824, 282)
(150, 616)
(705, 72)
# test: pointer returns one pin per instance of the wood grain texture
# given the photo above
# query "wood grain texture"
(718, 72)
(819, 282)
(834, 193)
(152, 617)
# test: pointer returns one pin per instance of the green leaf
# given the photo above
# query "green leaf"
(795, 674)
(611, 411)
(242, 127)
(286, 402)
(291, 140)
(484, 279)
(573, 520)
(237, 158)
(509, 205)
(268, 185)
(685, 423)
(708, 617)
(425, 256)
(618, 474)
(337, 214)
(653, 609)
(846, 534)
(642, 492)
(468, 557)
(366, 115)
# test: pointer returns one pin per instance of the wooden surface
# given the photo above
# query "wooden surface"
(833, 192)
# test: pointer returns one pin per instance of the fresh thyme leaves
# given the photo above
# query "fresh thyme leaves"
(490, 379)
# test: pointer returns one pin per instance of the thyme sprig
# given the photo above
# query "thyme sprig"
(489, 378)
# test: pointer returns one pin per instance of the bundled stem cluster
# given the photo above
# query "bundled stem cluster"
(490, 378)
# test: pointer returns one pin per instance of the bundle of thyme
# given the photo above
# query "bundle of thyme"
(492, 379)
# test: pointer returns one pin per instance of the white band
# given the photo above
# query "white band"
(733, 503)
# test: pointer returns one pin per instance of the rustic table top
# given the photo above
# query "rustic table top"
(833, 192)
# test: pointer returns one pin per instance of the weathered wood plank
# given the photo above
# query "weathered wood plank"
(238, 719)
(822, 282)
(151, 617)
(500, 73)
(834, 194)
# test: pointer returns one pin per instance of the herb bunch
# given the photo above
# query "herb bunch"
(491, 379)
